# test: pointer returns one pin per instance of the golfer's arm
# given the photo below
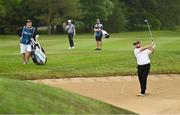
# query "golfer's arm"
(95, 30)
(147, 47)
(66, 28)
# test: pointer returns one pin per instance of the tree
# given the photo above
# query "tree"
(118, 14)
(10, 14)
(131, 10)
(2, 8)
(53, 12)
(159, 12)
(168, 13)
(94, 9)
(2, 14)
(116, 22)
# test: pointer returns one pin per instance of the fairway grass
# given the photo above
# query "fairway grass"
(24, 97)
(115, 59)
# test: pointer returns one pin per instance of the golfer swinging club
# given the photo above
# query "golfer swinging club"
(143, 62)
(26, 34)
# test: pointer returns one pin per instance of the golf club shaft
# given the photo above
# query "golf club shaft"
(150, 31)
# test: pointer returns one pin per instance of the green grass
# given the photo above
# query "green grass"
(117, 57)
(22, 97)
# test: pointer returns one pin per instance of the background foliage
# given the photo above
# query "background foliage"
(117, 15)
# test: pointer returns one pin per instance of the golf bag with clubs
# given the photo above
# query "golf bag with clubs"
(38, 54)
(105, 34)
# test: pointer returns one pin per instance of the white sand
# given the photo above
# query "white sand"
(163, 92)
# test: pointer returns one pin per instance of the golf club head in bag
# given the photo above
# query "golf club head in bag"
(38, 54)
(105, 34)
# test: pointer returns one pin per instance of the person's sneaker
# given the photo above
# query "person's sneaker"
(98, 49)
(142, 95)
(73, 48)
(24, 63)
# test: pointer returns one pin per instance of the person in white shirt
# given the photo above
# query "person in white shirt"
(143, 63)
(70, 28)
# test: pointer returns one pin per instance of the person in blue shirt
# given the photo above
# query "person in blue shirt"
(98, 34)
(26, 34)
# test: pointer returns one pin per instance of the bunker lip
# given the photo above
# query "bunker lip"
(163, 94)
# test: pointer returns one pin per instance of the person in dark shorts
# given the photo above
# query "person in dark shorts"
(143, 63)
(98, 34)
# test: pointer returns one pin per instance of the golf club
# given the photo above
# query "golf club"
(151, 37)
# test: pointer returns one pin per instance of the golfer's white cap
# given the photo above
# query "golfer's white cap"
(69, 21)
(28, 21)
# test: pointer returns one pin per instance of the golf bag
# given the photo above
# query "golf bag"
(105, 34)
(38, 54)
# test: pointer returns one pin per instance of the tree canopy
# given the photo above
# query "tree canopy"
(117, 15)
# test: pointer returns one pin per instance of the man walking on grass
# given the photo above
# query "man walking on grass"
(26, 34)
(70, 28)
(143, 63)
(98, 34)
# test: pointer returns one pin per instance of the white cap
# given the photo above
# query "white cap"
(145, 20)
(69, 21)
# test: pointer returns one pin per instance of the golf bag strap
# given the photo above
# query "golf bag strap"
(22, 32)
(33, 32)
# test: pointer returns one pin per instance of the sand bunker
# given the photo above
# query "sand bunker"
(163, 94)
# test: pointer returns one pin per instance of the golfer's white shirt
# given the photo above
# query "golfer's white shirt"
(142, 56)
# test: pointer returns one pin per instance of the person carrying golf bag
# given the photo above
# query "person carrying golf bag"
(98, 34)
(26, 34)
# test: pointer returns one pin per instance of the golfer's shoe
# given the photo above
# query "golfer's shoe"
(69, 48)
(72, 47)
(142, 95)
(98, 49)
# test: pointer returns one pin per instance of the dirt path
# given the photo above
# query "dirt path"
(163, 92)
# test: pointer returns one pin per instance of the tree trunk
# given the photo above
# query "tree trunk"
(49, 20)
